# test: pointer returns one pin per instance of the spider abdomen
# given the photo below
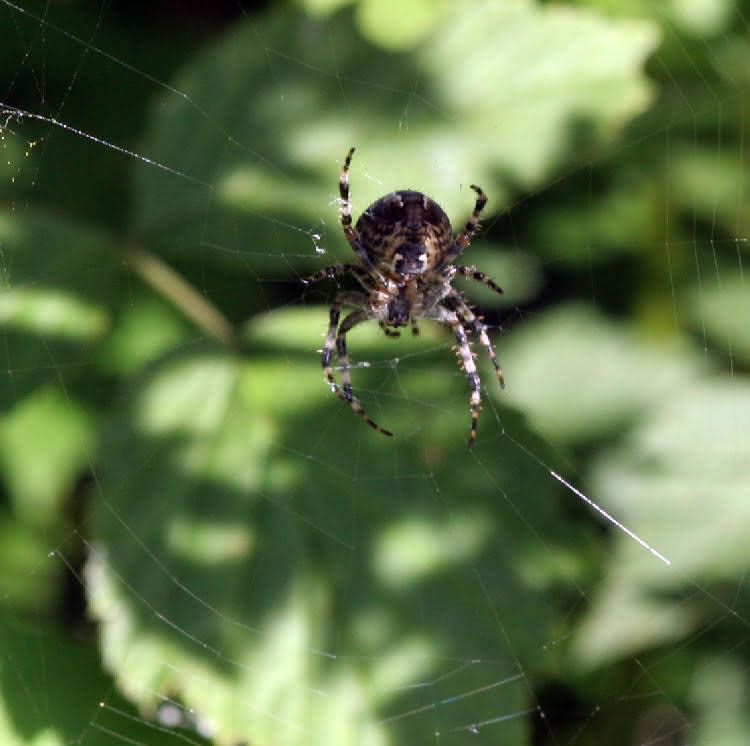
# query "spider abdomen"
(404, 233)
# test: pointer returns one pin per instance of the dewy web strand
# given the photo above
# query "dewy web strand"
(11, 112)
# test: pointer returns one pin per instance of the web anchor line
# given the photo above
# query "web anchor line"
(610, 518)
(11, 113)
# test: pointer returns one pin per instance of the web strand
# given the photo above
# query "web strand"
(609, 517)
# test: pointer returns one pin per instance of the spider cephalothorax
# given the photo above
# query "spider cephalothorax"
(406, 247)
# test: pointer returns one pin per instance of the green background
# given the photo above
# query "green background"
(189, 516)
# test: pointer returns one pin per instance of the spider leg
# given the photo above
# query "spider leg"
(467, 360)
(345, 206)
(337, 339)
(473, 274)
(345, 213)
(480, 329)
(463, 239)
(336, 270)
(352, 298)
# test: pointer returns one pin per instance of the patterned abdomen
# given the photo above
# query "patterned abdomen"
(405, 233)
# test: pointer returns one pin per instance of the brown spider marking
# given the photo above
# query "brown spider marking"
(406, 247)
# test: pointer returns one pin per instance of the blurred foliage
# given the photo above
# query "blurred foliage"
(251, 553)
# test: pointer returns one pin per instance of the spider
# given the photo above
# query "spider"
(406, 247)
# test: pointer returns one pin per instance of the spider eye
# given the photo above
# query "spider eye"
(410, 259)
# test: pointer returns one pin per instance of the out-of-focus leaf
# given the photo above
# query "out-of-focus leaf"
(44, 250)
(501, 88)
(698, 18)
(682, 475)
(264, 545)
(517, 272)
(51, 312)
(588, 233)
(722, 310)
(539, 102)
(701, 17)
(144, 329)
(24, 582)
(720, 694)
(58, 280)
(54, 693)
(578, 376)
(323, 7)
(712, 186)
(46, 441)
(399, 26)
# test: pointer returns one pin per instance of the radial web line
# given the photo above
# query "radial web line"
(599, 509)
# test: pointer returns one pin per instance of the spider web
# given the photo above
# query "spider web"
(201, 543)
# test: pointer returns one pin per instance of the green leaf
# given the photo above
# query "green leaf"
(721, 310)
(518, 272)
(710, 185)
(47, 444)
(680, 481)
(501, 87)
(246, 560)
(50, 312)
(52, 692)
(46, 441)
(721, 698)
(142, 331)
(578, 376)
(626, 219)
(25, 583)
(59, 278)
(701, 17)
(399, 26)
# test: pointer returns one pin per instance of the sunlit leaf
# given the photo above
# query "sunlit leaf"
(46, 441)
(290, 603)
(682, 478)
(721, 310)
(59, 279)
(502, 87)
(578, 376)
(720, 694)
(54, 693)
